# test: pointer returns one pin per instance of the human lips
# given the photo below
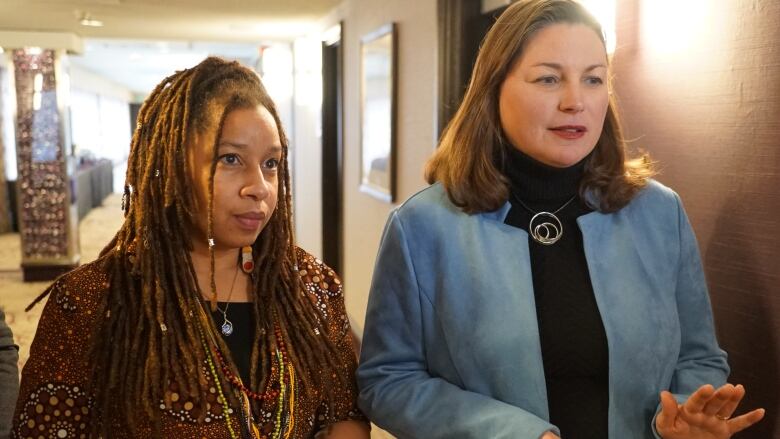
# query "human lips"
(250, 220)
(569, 131)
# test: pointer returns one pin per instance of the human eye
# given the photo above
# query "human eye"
(230, 159)
(272, 163)
(547, 80)
(594, 80)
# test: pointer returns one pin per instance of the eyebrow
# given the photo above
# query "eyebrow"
(274, 148)
(557, 66)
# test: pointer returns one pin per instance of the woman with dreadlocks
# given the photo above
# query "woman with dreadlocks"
(201, 318)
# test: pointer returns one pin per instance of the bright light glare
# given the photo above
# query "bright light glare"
(278, 72)
(65, 87)
(37, 88)
(33, 50)
(671, 26)
(308, 72)
(604, 11)
(276, 29)
(38, 82)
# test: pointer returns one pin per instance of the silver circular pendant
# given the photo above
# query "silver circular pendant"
(227, 327)
(545, 228)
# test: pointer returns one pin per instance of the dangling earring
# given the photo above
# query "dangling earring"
(247, 263)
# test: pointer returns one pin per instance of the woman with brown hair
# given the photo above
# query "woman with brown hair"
(201, 318)
(544, 286)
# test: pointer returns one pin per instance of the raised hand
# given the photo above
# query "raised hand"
(706, 414)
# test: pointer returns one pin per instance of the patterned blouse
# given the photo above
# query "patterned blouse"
(53, 402)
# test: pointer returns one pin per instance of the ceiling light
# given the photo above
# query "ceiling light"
(1, 50)
(38, 82)
(87, 20)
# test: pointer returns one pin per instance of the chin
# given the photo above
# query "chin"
(238, 240)
(568, 159)
(560, 163)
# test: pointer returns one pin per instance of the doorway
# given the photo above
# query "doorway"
(332, 150)
(462, 26)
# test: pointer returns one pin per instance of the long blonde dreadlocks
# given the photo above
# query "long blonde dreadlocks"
(150, 334)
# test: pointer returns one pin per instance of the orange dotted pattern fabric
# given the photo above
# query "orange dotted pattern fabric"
(53, 402)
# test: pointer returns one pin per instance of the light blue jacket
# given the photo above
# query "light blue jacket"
(451, 343)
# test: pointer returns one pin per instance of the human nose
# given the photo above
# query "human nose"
(572, 99)
(256, 184)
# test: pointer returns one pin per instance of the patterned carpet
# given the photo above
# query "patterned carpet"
(96, 229)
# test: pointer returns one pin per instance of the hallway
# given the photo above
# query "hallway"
(697, 83)
(95, 230)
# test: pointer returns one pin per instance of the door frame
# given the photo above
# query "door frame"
(333, 150)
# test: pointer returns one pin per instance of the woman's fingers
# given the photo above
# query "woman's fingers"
(665, 420)
(744, 421)
(699, 399)
(716, 404)
(731, 404)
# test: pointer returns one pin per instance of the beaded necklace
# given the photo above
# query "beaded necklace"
(223, 401)
(284, 420)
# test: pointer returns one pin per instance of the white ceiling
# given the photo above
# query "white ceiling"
(139, 65)
(142, 41)
(201, 20)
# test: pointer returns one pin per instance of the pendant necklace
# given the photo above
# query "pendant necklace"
(227, 325)
(544, 227)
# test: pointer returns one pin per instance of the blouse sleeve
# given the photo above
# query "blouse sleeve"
(52, 399)
(326, 291)
(701, 360)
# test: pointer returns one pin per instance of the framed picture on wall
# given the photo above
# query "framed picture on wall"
(378, 78)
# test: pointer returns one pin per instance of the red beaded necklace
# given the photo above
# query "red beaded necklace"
(268, 395)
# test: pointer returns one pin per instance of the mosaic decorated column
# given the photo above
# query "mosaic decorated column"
(48, 221)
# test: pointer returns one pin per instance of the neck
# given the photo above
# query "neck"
(224, 258)
(225, 268)
(534, 181)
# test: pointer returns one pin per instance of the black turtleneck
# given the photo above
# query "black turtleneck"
(574, 343)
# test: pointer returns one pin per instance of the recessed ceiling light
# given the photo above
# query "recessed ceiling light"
(87, 20)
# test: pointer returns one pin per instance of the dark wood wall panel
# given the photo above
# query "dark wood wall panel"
(707, 107)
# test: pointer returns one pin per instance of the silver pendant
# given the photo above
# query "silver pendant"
(227, 327)
(545, 228)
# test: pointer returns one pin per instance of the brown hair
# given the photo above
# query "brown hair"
(471, 151)
(151, 334)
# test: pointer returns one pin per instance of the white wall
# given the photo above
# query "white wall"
(306, 143)
(100, 119)
(101, 125)
(365, 216)
(88, 81)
